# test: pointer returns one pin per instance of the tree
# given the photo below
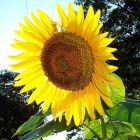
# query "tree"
(122, 19)
(14, 110)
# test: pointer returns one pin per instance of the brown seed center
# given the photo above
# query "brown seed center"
(62, 64)
(67, 61)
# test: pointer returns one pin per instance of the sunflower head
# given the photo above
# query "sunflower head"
(67, 61)
(67, 67)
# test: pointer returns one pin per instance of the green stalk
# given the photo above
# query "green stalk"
(104, 130)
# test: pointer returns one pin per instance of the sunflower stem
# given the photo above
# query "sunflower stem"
(104, 130)
(93, 132)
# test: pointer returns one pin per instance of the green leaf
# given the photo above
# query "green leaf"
(95, 125)
(117, 92)
(120, 137)
(125, 120)
(127, 111)
(120, 128)
(124, 137)
(47, 129)
(32, 123)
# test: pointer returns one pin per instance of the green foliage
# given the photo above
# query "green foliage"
(122, 121)
(127, 111)
(95, 125)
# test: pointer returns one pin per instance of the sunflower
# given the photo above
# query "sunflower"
(66, 63)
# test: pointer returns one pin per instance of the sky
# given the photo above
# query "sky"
(12, 13)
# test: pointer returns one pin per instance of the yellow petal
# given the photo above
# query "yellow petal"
(79, 108)
(71, 19)
(89, 104)
(111, 68)
(27, 79)
(44, 93)
(60, 116)
(28, 36)
(45, 19)
(103, 35)
(102, 71)
(27, 46)
(100, 85)
(93, 37)
(34, 31)
(82, 110)
(117, 82)
(23, 27)
(37, 21)
(80, 20)
(66, 99)
(96, 19)
(49, 98)
(104, 56)
(97, 100)
(105, 42)
(110, 50)
(97, 30)
(25, 64)
(25, 55)
(107, 100)
(32, 84)
(89, 17)
(62, 16)
(58, 101)
(88, 23)
(68, 114)
(55, 104)
(37, 29)
(36, 92)
(76, 113)
(32, 69)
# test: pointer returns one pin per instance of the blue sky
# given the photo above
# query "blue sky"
(12, 13)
